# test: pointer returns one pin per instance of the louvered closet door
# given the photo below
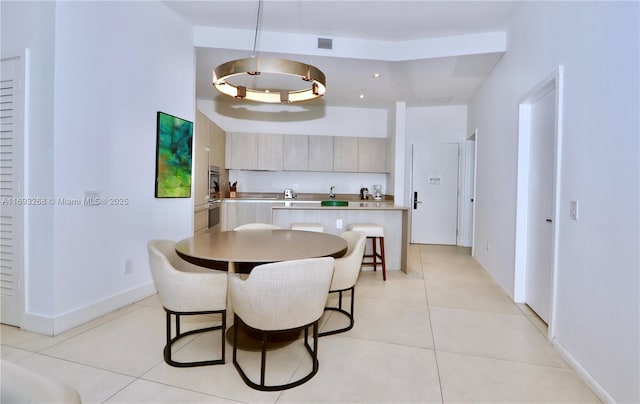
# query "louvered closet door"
(11, 201)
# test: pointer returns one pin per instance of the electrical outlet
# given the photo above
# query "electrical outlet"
(128, 267)
(338, 224)
(295, 187)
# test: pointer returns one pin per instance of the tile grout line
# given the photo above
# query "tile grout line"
(433, 339)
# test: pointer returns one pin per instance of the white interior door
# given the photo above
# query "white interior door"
(540, 202)
(11, 208)
(469, 191)
(434, 215)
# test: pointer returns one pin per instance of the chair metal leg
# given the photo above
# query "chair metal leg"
(339, 309)
(170, 341)
(264, 346)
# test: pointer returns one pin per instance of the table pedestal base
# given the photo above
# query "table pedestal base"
(250, 340)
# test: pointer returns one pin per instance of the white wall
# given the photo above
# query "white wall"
(301, 120)
(437, 125)
(598, 303)
(109, 83)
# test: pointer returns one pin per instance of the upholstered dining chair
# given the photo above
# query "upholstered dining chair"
(23, 385)
(345, 276)
(280, 297)
(186, 289)
(257, 226)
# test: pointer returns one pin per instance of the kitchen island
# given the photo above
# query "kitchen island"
(336, 219)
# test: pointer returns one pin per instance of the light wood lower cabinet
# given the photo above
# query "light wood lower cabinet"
(236, 213)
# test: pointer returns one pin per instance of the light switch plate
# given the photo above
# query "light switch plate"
(573, 210)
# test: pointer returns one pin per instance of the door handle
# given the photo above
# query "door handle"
(415, 200)
(548, 220)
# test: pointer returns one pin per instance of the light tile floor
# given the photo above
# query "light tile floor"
(444, 332)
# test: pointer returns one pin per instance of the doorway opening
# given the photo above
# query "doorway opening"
(539, 140)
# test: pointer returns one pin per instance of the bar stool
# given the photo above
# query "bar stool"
(317, 227)
(374, 232)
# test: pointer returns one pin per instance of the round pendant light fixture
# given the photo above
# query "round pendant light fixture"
(230, 78)
(315, 82)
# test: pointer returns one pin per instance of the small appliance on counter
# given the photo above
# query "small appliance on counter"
(364, 194)
(288, 194)
(377, 192)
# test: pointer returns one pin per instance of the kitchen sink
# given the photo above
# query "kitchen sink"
(334, 203)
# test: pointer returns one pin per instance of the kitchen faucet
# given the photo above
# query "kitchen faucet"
(331, 194)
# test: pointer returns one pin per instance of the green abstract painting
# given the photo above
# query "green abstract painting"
(173, 157)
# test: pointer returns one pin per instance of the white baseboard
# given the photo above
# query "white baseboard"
(54, 326)
(37, 323)
(582, 373)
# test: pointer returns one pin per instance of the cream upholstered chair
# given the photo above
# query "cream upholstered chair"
(22, 385)
(257, 226)
(345, 275)
(278, 297)
(317, 227)
(186, 289)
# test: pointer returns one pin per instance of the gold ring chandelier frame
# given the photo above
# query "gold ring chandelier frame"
(255, 66)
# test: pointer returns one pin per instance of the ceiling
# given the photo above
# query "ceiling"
(426, 52)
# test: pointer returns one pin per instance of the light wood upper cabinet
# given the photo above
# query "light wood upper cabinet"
(277, 152)
(270, 152)
(345, 154)
(320, 153)
(242, 151)
(296, 153)
(372, 155)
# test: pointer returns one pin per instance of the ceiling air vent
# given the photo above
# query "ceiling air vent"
(325, 43)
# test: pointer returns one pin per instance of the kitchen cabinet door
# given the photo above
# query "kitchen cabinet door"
(243, 151)
(296, 153)
(270, 152)
(201, 160)
(345, 154)
(320, 153)
(237, 213)
(372, 155)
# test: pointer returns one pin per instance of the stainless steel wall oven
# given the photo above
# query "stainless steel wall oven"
(214, 197)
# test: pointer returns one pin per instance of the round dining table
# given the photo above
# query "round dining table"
(240, 251)
(245, 249)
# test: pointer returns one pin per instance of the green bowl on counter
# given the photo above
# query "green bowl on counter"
(334, 203)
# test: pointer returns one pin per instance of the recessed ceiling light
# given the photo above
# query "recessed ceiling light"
(376, 75)
(361, 96)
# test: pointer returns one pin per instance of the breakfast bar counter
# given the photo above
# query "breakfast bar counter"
(335, 220)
